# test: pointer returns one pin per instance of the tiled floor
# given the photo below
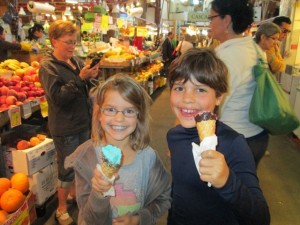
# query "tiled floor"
(279, 172)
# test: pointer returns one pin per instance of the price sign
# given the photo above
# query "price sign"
(14, 116)
(26, 110)
(44, 107)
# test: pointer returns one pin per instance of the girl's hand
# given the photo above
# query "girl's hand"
(213, 168)
(126, 220)
(87, 72)
(99, 183)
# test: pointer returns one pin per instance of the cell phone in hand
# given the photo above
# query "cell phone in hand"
(95, 61)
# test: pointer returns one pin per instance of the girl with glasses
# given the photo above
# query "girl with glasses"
(142, 185)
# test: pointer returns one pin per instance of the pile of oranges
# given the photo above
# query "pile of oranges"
(12, 194)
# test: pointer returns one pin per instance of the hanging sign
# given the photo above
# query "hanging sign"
(197, 17)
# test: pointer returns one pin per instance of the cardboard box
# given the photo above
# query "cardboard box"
(22, 215)
(43, 184)
(31, 160)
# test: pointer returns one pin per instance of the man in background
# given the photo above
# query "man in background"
(167, 50)
(274, 56)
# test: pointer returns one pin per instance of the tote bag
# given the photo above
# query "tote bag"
(269, 107)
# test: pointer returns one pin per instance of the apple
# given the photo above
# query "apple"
(16, 78)
(21, 96)
(35, 78)
(8, 83)
(12, 92)
(18, 103)
(35, 64)
(4, 90)
(37, 84)
(3, 107)
(31, 93)
(27, 78)
(2, 99)
(25, 88)
(29, 71)
(11, 100)
(1, 84)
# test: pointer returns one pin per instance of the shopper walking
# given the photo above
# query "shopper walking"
(198, 83)
(66, 83)
(228, 20)
(275, 58)
(167, 50)
(142, 188)
(267, 36)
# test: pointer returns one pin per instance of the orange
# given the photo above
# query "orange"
(20, 181)
(11, 200)
(4, 185)
(34, 141)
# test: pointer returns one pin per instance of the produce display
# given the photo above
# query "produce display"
(24, 144)
(19, 82)
(12, 194)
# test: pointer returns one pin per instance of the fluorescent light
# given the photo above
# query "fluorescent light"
(72, 2)
(22, 12)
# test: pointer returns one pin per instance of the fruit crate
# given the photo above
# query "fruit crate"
(24, 131)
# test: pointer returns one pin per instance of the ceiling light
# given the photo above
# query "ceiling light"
(22, 12)
(72, 2)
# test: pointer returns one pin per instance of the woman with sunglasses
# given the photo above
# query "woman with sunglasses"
(267, 35)
(229, 20)
(66, 81)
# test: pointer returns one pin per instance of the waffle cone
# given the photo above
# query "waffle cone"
(108, 170)
(206, 128)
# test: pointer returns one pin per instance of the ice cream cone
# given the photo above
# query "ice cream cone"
(110, 160)
(206, 124)
(108, 170)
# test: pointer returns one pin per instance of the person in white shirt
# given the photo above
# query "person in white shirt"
(240, 55)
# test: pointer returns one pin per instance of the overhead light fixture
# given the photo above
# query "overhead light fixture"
(68, 11)
(22, 12)
(72, 2)
(116, 9)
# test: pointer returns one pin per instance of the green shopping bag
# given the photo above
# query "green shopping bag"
(269, 108)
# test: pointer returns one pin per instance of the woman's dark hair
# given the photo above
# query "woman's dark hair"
(36, 27)
(241, 12)
(1, 30)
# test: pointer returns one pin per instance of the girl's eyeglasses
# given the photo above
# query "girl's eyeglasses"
(110, 111)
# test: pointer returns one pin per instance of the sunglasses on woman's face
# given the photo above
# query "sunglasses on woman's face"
(285, 31)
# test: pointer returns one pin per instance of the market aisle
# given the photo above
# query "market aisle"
(278, 172)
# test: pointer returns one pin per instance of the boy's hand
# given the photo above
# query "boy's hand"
(126, 220)
(213, 168)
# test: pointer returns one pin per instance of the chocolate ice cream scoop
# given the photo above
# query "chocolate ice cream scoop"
(206, 124)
